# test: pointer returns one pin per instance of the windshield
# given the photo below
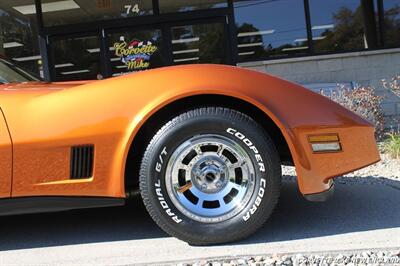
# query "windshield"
(11, 73)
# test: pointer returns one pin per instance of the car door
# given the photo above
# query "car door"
(6, 158)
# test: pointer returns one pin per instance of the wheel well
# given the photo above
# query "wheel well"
(161, 117)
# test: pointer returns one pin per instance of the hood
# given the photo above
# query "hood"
(38, 87)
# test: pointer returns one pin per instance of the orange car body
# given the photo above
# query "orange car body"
(41, 121)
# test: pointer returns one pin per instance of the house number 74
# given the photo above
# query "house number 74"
(132, 9)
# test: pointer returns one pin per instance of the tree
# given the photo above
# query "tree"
(348, 33)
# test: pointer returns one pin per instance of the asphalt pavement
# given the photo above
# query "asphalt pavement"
(358, 217)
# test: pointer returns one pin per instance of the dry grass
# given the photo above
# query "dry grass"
(391, 145)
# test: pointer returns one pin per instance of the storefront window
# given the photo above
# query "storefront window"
(132, 51)
(263, 30)
(337, 25)
(392, 22)
(184, 5)
(76, 58)
(18, 35)
(56, 12)
(199, 43)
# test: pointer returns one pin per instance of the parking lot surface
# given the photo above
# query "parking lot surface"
(359, 216)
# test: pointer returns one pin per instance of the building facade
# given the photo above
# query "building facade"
(306, 41)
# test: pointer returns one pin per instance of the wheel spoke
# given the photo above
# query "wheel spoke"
(198, 150)
(199, 203)
(237, 164)
(183, 166)
(220, 150)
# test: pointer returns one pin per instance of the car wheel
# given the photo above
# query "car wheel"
(210, 175)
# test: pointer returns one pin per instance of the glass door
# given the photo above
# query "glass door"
(76, 57)
(200, 42)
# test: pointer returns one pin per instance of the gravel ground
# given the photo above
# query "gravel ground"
(387, 168)
(346, 258)
(387, 171)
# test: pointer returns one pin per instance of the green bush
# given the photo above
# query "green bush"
(391, 145)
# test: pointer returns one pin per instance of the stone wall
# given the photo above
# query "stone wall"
(364, 68)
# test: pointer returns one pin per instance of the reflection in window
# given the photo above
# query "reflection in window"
(184, 5)
(11, 73)
(264, 32)
(59, 12)
(337, 25)
(135, 51)
(392, 22)
(200, 43)
(77, 58)
(18, 35)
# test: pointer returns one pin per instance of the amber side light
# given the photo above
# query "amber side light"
(323, 138)
(325, 143)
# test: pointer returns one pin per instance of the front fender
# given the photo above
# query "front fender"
(297, 112)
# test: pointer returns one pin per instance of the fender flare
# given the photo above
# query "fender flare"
(157, 105)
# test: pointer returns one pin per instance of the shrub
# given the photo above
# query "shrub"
(391, 145)
(363, 101)
(393, 85)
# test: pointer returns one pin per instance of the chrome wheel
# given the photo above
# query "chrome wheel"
(210, 178)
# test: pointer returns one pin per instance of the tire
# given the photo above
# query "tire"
(200, 165)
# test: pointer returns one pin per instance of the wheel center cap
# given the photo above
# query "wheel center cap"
(209, 175)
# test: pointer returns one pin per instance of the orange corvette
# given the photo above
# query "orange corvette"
(203, 143)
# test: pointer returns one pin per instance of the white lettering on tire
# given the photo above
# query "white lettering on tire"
(249, 144)
(263, 182)
(258, 200)
(161, 160)
(159, 194)
(164, 204)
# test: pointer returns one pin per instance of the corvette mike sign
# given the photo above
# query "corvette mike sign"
(135, 55)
